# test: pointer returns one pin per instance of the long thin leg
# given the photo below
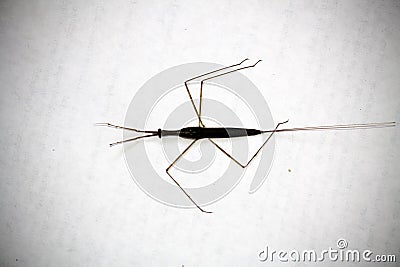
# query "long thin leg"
(191, 79)
(258, 151)
(176, 182)
(202, 82)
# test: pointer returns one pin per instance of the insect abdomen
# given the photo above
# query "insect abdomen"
(200, 132)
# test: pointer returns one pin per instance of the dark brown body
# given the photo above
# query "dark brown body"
(203, 132)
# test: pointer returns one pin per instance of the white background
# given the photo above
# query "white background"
(67, 199)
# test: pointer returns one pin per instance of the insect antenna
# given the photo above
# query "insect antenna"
(106, 124)
(121, 127)
(132, 139)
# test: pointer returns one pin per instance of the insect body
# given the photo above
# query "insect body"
(203, 132)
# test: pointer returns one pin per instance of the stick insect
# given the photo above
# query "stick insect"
(211, 133)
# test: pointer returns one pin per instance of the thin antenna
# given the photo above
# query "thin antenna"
(121, 127)
(106, 124)
(132, 139)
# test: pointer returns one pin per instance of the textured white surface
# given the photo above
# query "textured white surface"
(66, 199)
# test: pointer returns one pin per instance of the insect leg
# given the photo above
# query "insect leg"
(202, 82)
(265, 142)
(176, 182)
(191, 79)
